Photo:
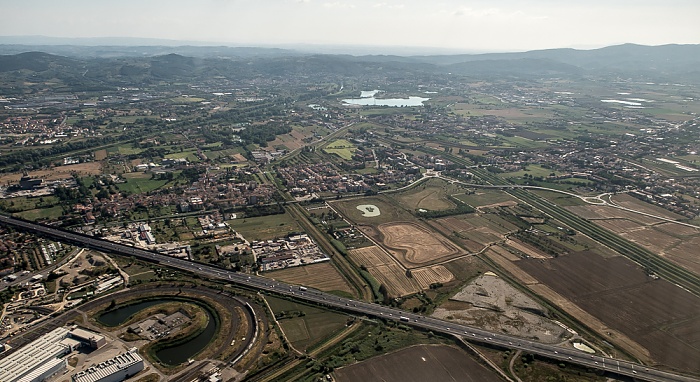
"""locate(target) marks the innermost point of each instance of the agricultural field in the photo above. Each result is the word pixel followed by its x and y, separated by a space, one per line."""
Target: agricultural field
pixel 430 195
pixel 532 170
pixel 137 182
pixel 414 245
pixel 435 274
pixel 265 227
pixel 511 114
pixel 41 213
pixel 418 364
pixel 486 198
pixel 385 269
pixel 474 231
pixel 491 303
pixel 341 148
pixel 322 276
pixel 633 203
pixel 386 211
pixel 292 140
pixel 675 242
pixel 58 172
pixel 304 325
pixel 656 314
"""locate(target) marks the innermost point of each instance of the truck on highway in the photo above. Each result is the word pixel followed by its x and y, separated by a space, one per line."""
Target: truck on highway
pixel 302 288
pixel 404 319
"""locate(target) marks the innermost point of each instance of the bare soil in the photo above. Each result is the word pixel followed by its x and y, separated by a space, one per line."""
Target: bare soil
pixel 414 245
pixel 419 364
pixel 619 293
pixel 491 303
pixel 322 276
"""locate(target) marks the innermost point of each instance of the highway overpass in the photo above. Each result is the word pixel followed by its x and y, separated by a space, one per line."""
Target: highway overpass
pixel 574 356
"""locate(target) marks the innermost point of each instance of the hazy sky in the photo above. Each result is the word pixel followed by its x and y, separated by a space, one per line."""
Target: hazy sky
pixel 482 25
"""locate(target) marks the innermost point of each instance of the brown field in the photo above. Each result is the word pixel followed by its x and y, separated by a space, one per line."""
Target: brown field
pixel 370 256
pixel 505 260
pixel 418 364
pixel 526 249
pixel 431 195
pixel 591 211
pixel 509 203
pixel 615 290
pixel 651 239
pixel 414 245
pixel 100 154
pixel 618 226
pixel 472 231
pixel 292 141
pixel 631 202
pixel 675 242
pixel 430 275
pixel 239 158
pixel 677 229
pixel 385 269
pixel 321 276
pixel 59 172
pixel 685 254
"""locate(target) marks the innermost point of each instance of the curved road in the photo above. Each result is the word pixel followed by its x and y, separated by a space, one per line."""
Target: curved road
pixel 359 307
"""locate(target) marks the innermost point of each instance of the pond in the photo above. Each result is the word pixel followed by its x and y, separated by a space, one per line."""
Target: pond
pixel 369 210
pixel 394 102
pixel 169 355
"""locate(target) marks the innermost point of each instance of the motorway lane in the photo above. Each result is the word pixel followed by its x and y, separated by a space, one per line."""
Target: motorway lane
pixel 638 371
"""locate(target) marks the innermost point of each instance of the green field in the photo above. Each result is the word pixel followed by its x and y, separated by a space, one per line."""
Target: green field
pixel 484 197
pixel 24 203
pixel 388 211
pixel 189 155
pixel 341 148
pixel 126 149
pixel 533 170
pixel 137 183
pixel 265 227
pixel 305 325
pixel 42 213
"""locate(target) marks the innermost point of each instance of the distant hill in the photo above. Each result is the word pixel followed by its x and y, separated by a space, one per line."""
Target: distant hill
pixel 34 61
pixel 669 60
pixel 109 66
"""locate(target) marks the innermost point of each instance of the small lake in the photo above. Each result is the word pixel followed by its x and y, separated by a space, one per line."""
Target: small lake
pixel 118 316
pixel 369 210
pixel 173 355
pixel 178 354
pixel 393 102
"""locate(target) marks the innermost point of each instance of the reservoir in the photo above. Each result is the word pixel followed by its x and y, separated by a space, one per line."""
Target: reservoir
pixel 394 102
pixel 169 355
pixel 367 98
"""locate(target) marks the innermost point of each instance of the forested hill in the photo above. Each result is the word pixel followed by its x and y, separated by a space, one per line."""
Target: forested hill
pixel 668 63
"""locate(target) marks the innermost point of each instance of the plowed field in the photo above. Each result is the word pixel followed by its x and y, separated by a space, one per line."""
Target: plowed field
pixel 414 245
pixel 655 313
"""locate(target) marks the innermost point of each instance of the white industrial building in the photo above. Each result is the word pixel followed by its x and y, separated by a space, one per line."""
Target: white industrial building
pixel 37 360
pixel 43 357
pixel 116 369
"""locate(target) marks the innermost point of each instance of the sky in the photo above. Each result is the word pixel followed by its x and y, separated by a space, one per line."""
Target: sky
pixel 461 25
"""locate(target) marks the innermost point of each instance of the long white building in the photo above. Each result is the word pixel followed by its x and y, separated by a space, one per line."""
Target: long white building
pixel 116 369
pixel 37 360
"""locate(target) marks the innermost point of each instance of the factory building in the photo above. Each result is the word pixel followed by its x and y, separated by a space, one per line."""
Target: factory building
pixel 93 339
pixel 44 356
pixel 37 360
pixel 116 369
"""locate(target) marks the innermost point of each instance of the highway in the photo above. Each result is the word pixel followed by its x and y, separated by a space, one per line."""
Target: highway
pixel 640 372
